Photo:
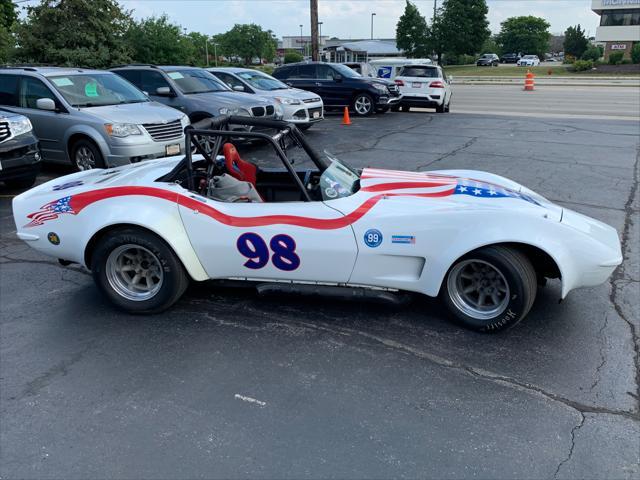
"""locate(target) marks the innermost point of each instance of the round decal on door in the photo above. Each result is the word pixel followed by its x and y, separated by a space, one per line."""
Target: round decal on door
pixel 373 238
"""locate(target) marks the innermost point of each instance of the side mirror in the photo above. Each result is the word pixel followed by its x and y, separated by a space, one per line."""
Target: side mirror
pixel 450 79
pixel 238 88
pixel 164 92
pixel 337 77
pixel 46 104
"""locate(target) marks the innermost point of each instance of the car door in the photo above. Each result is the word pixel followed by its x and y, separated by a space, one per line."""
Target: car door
pixel 305 78
pixel 49 126
pixel 328 88
pixel 302 241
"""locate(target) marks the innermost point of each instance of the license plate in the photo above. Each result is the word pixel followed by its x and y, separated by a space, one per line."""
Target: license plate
pixel 415 85
pixel 172 149
pixel 316 114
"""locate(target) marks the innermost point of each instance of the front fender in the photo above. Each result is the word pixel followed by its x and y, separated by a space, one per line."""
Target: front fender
pixel 90 132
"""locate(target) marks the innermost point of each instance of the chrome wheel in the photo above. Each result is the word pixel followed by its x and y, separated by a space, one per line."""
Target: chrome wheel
pixel 134 272
pixel 363 105
pixel 478 289
pixel 85 159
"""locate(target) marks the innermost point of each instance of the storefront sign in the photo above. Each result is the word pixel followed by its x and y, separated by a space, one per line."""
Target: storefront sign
pixel 619 46
pixel 619 2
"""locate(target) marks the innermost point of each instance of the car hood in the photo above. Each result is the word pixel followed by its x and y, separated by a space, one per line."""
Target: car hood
pixel 468 188
pixel 288 92
pixel 228 99
pixel 138 113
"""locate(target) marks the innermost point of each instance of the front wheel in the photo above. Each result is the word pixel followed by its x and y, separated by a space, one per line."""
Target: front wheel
pixel 86 155
pixel 490 289
pixel 363 104
pixel 138 271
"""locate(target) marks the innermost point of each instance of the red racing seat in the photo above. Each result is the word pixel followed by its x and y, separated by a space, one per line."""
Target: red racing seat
pixel 237 167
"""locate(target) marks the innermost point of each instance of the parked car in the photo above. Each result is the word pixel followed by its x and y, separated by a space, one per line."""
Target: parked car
pixel 19 151
pixel 295 106
pixel 510 58
pixel 195 92
pixel 363 68
pixel 388 68
pixel 479 241
pixel 91 118
pixel 529 61
pixel 488 60
pixel 424 86
pixel 339 86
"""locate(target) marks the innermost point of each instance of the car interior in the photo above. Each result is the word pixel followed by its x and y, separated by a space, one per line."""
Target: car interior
pixel 223 175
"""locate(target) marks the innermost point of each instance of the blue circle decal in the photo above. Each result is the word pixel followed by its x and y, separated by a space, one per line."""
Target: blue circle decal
pixel 373 238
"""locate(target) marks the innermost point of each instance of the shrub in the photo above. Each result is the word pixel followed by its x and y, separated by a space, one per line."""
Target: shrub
pixel 626 61
pixel 568 59
pixel 635 53
pixel 291 56
pixel 615 58
pixel 592 53
pixel 582 65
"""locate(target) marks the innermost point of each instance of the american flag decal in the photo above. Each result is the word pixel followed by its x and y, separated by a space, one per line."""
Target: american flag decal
pixel 486 190
pixel 50 211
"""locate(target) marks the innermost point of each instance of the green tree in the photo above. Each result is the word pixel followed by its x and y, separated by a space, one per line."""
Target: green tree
pixel 527 35
pixel 465 26
pixel 249 41
pixel 592 53
pixel 8 17
pixel 197 47
pixel 490 45
pixel 575 41
pixel 157 40
pixel 291 56
pixel 87 33
pixel 412 33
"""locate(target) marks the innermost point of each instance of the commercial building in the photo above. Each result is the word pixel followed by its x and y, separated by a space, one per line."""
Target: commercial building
pixel 619 26
pixel 337 50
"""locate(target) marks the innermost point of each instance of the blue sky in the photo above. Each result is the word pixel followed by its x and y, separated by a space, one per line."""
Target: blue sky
pixel 344 18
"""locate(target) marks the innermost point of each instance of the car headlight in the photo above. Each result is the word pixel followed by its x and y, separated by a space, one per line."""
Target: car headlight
pixel 185 121
pixel 288 101
pixel 122 129
pixel 379 86
pixel 228 111
pixel 18 127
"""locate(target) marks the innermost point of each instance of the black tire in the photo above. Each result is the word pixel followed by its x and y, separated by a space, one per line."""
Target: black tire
pixel 440 108
pixel 359 102
pixel 395 108
pixel 447 109
pixel 305 126
pixel 517 273
pixel 405 108
pixel 174 278
pixel 85 155
pixel 21 183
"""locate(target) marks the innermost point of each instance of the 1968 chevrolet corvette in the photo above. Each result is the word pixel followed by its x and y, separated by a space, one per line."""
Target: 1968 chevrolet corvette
pixel 481 242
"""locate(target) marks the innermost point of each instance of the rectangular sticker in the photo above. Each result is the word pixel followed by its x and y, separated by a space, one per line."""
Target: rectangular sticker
pixel 62 82
pixel 404 239
pixel 175 75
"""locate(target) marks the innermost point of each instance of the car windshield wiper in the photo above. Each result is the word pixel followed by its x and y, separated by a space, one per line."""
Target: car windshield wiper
pixel 133 101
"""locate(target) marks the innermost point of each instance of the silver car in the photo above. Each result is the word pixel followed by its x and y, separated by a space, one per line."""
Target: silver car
pixel 91 118
pixel 294 105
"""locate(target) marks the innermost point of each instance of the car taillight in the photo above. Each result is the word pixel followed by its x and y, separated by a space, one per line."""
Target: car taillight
pixel 400 83
pixel 436 85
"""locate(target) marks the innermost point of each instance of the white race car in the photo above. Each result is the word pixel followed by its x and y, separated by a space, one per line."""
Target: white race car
pixel 480 241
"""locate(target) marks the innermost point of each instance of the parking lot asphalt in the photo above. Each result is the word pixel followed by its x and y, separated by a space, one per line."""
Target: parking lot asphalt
pixel 230 385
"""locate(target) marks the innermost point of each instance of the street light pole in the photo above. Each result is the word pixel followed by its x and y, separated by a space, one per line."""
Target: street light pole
pixel 319 37
pixel 215 52
pixel 372 15
pixel 301 42
pixel 206 50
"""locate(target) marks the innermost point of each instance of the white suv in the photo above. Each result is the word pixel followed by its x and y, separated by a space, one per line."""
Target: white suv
pixel 423 86
pixel 529 61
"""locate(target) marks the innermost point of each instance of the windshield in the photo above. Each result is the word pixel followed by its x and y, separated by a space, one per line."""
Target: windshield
pixel 529 56
pixel 96 90
pixel 338 180
pixel 345 71
pixel 193 80
pixel 421 72
pixel 262 81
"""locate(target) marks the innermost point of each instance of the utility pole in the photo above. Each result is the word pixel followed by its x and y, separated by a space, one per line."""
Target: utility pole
pixel 314 30
pixel 372 15
pixel 435 9
pixel 206 50
pixel 319 37
pixel 301 42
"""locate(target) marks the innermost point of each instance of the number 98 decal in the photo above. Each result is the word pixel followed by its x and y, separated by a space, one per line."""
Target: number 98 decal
pixel 252 246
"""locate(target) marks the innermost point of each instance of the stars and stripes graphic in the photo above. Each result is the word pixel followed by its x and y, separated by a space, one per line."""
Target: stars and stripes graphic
pixel 50 211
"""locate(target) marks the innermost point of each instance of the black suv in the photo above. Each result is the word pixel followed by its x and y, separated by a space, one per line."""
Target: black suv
pixel 510 58
pixel 340 86
pixel 19 151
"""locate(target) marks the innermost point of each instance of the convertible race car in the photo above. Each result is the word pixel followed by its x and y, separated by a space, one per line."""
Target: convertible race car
pixel 481 242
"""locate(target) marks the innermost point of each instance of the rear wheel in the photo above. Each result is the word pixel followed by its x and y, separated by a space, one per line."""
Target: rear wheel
pixel 86 155
pixel 363 104
pixel 395 108
pixel 138 271
pixel 440 108
pixel 405 108
pixel 490 289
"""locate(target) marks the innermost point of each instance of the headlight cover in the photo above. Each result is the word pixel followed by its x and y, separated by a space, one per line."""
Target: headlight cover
pixel 122 130
pixel 18 127
pixel 288 100
pixel 379 86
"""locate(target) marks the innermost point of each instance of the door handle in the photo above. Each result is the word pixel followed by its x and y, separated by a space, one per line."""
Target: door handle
pixel 318 84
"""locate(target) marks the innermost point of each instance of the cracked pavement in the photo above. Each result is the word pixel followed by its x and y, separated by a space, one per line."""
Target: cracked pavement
pixel 337 389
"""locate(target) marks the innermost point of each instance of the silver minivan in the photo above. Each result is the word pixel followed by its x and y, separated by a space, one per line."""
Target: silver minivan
pixel 91 118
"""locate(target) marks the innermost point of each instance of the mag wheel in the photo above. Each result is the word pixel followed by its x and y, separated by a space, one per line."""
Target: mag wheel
pixel 138 271
pixel 86 155
pixel 490 289
pixel 363 104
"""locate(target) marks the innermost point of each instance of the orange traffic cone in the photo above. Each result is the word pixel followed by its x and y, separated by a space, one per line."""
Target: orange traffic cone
pixel 345 117
pixel 529 82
